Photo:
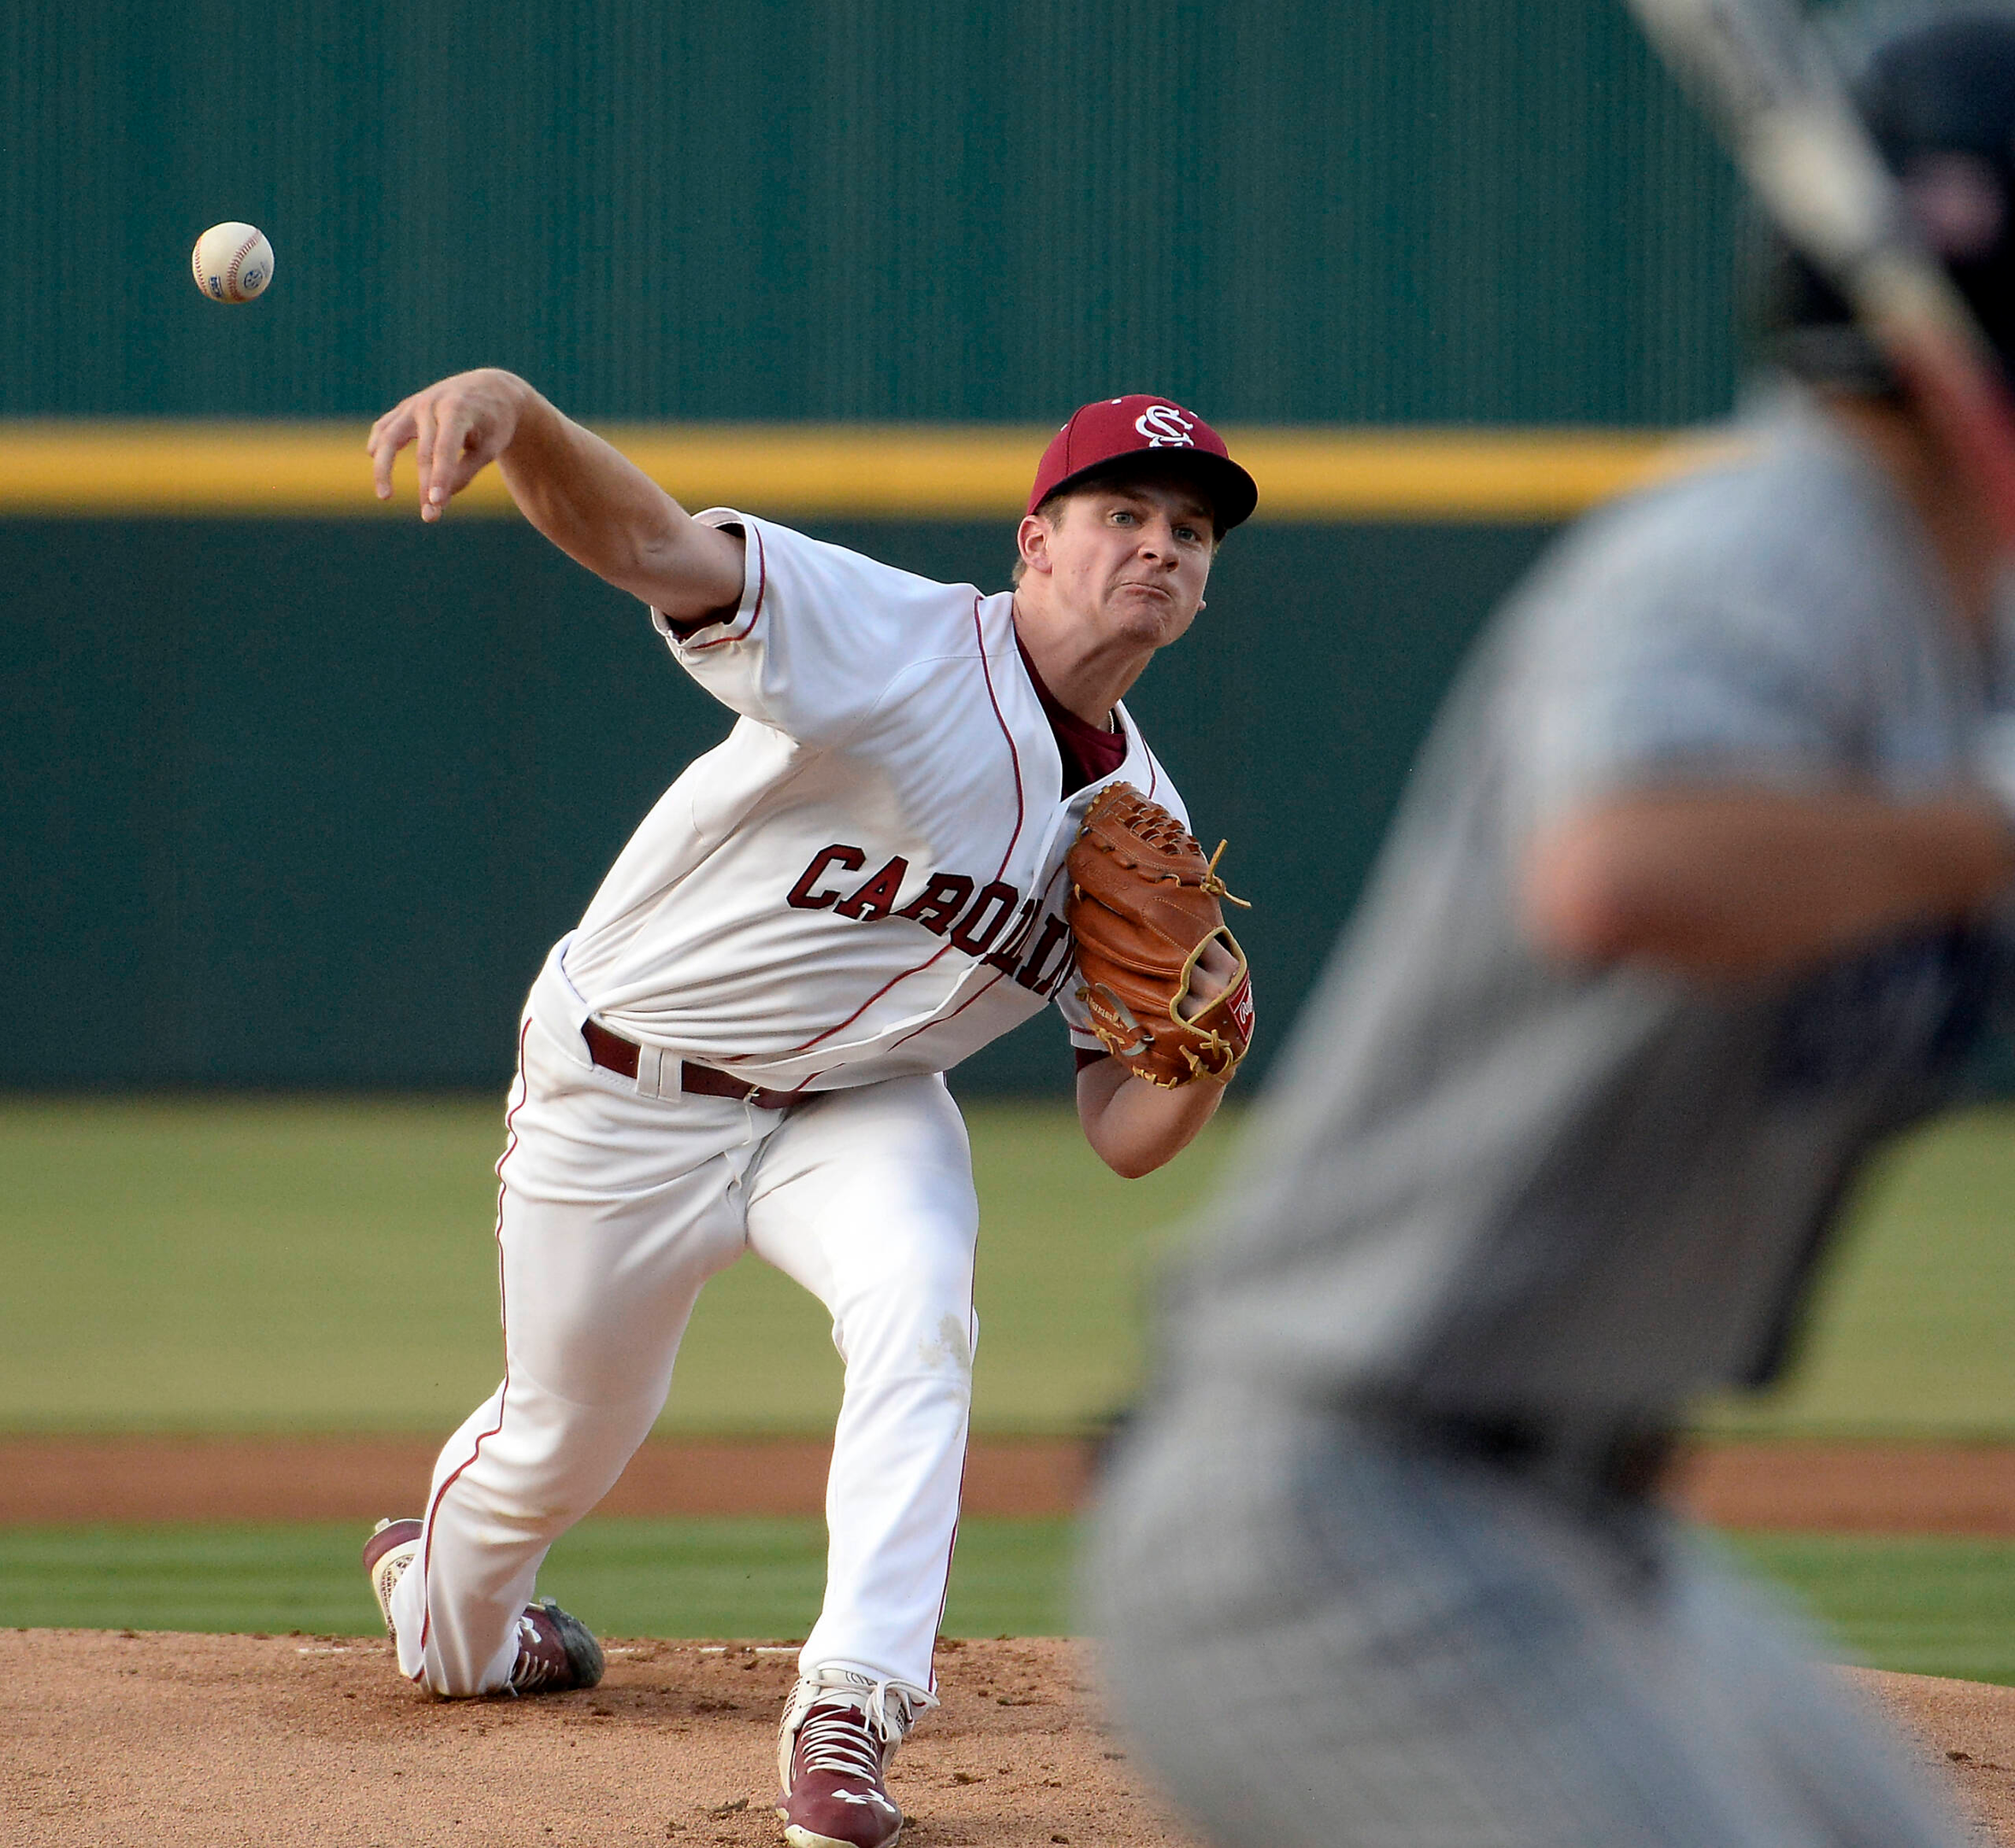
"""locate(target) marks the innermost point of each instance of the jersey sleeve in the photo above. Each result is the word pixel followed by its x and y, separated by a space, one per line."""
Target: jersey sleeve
pixel 819 633
pixel 1077 1019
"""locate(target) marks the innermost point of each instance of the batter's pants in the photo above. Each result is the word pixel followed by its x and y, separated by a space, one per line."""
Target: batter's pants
pixel 1322 1634
pixel 614 1208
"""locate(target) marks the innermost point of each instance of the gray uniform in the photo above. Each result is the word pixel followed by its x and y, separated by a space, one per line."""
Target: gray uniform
pixel 1376 1566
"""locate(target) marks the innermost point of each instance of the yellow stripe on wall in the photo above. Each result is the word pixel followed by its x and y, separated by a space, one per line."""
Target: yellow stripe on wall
pixel 269 470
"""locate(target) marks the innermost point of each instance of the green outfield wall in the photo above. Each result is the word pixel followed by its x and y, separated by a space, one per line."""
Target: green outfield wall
pixel 303 803
pixel 1281 211
pixel 295 793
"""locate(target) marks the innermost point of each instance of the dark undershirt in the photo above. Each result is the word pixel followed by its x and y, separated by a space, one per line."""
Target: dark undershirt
pixel 1089 752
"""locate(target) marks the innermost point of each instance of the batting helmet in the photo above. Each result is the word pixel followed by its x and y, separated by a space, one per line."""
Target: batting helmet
pixel 1939 99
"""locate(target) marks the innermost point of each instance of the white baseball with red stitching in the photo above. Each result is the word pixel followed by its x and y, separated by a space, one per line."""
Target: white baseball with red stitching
pixel 232 262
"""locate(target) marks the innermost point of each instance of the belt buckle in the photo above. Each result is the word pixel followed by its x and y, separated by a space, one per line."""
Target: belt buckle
pixel 750 1095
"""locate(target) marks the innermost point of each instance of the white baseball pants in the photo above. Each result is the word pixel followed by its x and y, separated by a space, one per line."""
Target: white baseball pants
pixel 615 1208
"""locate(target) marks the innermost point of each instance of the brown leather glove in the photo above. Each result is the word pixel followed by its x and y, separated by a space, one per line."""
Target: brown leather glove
pixel 1143 905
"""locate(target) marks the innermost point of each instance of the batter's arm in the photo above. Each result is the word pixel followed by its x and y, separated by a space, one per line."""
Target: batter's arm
pixel 1135 1127
pixel 589 499
pixel 1733 883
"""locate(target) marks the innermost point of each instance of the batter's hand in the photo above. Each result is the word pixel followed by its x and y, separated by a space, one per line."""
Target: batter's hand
pixel 460 426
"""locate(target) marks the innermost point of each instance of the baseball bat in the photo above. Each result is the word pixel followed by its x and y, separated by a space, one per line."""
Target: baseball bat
pixel 1783 109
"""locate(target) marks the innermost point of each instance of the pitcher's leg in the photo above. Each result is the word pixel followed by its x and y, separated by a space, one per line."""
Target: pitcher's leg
pixel 615 1210
pixel 866 1198
pixel 524 1466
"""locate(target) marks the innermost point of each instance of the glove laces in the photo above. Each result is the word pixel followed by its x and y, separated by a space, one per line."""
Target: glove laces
pixel 1215 886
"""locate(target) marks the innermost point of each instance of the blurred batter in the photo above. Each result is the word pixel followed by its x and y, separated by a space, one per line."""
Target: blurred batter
pixel 1699 895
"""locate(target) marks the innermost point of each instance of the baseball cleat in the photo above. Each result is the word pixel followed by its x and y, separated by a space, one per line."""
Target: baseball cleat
pixel 839 1732
pixel 387 1554
pixel 556 1653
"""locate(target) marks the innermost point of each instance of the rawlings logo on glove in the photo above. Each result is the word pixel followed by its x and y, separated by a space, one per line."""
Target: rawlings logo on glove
pixel 1143 910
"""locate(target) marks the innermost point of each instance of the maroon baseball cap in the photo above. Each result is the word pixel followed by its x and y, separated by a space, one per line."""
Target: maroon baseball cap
pixel 1112 429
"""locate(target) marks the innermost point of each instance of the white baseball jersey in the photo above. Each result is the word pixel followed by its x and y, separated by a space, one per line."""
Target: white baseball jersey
pixel 865 881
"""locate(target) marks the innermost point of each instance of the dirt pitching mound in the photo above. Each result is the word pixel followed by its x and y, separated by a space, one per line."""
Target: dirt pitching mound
pixel 121 1739
pixel 1966 1732
pixel 1871 1488
pixel 155 1740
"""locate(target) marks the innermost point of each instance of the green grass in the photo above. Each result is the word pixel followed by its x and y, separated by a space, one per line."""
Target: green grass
pixel 310 1264
pixel 758 1578
pixel 1913 1330
pixel 318 1264
pixel 1927 1606
pixel 1939 1605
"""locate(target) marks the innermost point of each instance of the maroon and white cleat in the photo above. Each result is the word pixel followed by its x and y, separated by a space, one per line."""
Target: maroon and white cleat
pixel 840 1730
pixel 387 1554
pixel 556 1652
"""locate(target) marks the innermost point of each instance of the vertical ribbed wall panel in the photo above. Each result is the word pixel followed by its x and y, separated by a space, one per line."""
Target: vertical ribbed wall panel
pixel 1395 211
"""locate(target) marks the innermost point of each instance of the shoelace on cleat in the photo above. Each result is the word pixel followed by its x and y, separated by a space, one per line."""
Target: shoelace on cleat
pixel 534 1668
pixel 839 1739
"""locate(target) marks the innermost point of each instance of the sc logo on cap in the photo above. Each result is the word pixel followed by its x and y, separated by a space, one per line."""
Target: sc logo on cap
pixel 1166 428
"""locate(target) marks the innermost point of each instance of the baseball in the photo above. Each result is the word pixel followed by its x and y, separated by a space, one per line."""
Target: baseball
pixel 232 262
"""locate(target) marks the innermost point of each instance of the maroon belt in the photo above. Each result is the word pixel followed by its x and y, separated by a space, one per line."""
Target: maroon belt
pixel 614 1053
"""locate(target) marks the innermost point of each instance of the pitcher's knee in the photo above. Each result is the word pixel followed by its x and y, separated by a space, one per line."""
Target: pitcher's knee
pixel 552 1459
pixel 931 1342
